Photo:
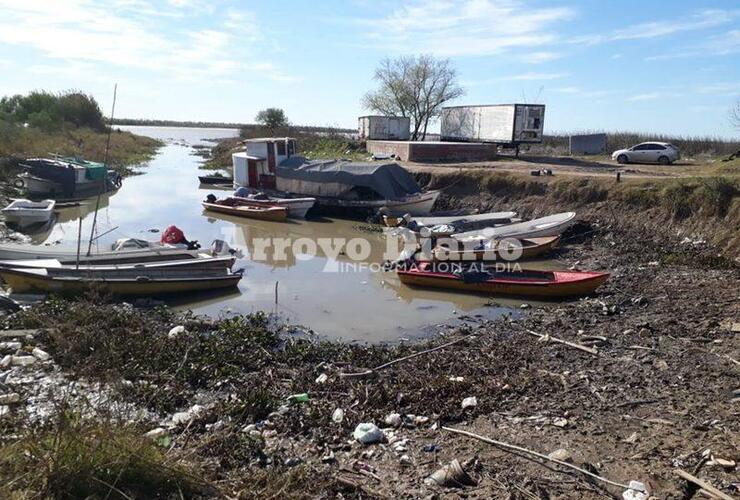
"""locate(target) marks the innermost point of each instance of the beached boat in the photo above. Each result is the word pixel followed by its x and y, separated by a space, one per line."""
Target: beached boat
pixel 25 212
pixel 67 178
pixel 130 282
pixel 297 207
pixel 495 250
pixel 215 179
pixel 462 222
pixel 524 283
pixel 552 225
pixel 243 208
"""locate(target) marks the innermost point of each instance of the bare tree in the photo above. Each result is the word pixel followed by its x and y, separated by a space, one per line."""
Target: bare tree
pixel 415 87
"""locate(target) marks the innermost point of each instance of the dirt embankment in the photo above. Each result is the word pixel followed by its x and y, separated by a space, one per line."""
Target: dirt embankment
pixel 651 389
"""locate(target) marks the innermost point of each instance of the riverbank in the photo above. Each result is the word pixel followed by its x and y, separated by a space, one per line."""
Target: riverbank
pixel 652 389
pixel 126 149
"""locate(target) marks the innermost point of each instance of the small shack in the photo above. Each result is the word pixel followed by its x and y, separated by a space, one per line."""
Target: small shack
pixel 384 128
pixel 255 167
pixel 587 144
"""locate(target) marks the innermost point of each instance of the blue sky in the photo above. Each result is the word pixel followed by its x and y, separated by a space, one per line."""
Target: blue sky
pixel 659 66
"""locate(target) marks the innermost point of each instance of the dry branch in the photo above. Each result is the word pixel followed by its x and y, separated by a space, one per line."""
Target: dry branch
pixel 511 447
pixel 574 345
pixel 711 490
pixel 386 365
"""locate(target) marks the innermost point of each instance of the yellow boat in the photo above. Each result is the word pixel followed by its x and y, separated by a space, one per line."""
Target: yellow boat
pixel 128 282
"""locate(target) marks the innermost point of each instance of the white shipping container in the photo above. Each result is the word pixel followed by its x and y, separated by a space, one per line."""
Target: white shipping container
pixel 396 128
pixel 498 123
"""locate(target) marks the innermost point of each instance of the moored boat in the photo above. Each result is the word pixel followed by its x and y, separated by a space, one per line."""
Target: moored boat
pixel 68 178
pixel 26 212
pixel 215 179
pixel 552 225
pixel 54 266
pixel 519 283
pixel 507 249
pixel 461 222
pixel 297 207
pixel 242 208
pixel 139 282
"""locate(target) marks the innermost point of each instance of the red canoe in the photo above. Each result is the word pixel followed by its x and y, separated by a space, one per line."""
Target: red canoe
pixel 520 283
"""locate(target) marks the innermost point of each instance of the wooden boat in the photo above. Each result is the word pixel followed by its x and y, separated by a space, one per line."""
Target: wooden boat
pixel 297 207
pixel 524 283
pixel 496 250
pixel 215 179
pixel 132 282
pixel 462 222
pixel 242 208
pixel 26 212
pixel 156 252
pixel 552 225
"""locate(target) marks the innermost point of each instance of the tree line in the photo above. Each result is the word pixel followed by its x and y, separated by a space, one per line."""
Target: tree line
pixel 52 111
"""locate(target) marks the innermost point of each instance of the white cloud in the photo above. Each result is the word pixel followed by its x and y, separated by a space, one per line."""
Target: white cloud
pixel 530 76
pixel 83 31
pixel 540 57
pixel 464 27
pixel 719 45
pixel 720 88
pixel 652 96
pixel 704 19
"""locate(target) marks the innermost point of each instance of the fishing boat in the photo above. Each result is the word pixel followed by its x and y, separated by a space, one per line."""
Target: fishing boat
pixel 519 283
pixel 243 208
pixel 462 222
pixel 552 225
pixel 54 266
pixel 66 178
pixel 297 207
pixel 127 282
pixel 495 250
pixel 26 212
pixel 215 179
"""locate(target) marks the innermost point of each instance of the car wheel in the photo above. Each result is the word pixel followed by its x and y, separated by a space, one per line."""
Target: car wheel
pixel 622 159
pixel 664 160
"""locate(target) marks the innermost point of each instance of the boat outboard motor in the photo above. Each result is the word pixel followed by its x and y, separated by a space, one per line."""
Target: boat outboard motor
pixel 220 247
pixel 173 235
pixel 211 198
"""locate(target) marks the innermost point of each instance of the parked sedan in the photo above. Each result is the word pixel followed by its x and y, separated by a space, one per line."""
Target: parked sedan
pixel 648 152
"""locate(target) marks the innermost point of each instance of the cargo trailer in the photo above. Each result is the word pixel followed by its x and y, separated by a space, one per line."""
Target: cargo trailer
pixel 384 128
pixel 506 124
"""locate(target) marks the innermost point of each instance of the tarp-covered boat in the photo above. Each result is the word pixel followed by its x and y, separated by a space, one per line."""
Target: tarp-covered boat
pixel 524 283
pixel 347 184
pixel 66 177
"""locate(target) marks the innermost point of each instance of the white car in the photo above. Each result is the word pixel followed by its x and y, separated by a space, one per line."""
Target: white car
pixel 648 152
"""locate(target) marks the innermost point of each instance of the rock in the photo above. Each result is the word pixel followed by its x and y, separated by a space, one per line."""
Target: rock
pixel 10 346
pixel 338 416
pixel 321 379
pixel 23 360
pixel 6 361
pixel 470 402
pixel 560 454
pixel 40 354
pixel 176 331
pixel 156 433
pixel 660 365
pixel 394 420
pixel 10 398
pixel 559 422
pixel 368 433
pixel 632 438
pixel 405 460
pixel 636 491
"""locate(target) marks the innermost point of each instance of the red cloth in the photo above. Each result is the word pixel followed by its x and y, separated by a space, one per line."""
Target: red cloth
pixel 172 236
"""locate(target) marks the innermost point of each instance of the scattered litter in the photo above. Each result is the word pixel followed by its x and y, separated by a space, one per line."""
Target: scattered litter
pixel 293 461
pixel 156 433
pixel 394 420
pixel 431 448
pixel 632 438
pixel 559 422
pixel 6 361
pixel 9 399
pixel 176 331
pixel 338 416
pixel 560 454
pixel 405 460
pixel 470 402
pixel 183 417
pixel 40 354
pixel 299 398
pixel 636 491
pixel 456 379
pixel 451 475
pixel 22 360
pixel 10 346
pixel 368 433
pixel 321 379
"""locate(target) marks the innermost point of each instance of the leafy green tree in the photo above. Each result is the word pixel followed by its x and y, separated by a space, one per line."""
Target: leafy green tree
pixel 272 118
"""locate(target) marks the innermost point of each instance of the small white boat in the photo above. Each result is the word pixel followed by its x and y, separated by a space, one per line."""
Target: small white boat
pixel 56 266
pixel 26 212
pixel 552 225
pixel 458 221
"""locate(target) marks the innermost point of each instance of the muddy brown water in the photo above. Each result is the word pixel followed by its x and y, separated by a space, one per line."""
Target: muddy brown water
pixel 334 295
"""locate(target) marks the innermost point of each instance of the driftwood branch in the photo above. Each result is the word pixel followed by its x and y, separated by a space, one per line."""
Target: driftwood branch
pixel 549 338
pixel 711 490
pixel 390 363
pixel 511 447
